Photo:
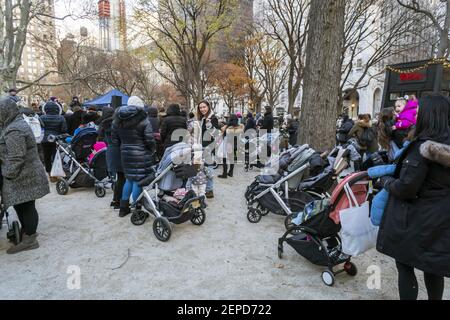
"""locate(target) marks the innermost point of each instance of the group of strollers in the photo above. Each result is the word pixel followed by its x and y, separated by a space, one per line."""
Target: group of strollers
pixel 310 189
pixel 84 165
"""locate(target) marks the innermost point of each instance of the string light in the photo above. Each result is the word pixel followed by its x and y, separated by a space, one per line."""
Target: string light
pixel 443 61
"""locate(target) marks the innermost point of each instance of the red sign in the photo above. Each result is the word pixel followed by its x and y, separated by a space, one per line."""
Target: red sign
pixel 406 77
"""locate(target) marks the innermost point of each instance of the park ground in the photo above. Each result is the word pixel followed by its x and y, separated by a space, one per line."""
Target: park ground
pixel 226 258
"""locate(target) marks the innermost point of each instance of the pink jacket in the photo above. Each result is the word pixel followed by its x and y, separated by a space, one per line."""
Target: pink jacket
pixel 99 146
pixel 407 118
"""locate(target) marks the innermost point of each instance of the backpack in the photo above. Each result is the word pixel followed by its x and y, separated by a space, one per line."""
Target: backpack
pixel 367 137
pixel 35 124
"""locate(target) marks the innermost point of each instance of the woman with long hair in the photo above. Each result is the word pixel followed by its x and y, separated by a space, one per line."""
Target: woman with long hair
pixel 231 133
pixel 208 122
pixel 415 228
pixel 386 120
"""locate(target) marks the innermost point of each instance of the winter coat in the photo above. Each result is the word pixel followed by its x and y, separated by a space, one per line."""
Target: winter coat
pixel 210 123
pixel 293 130
pixel 24 176
pixel 171 122
pixel 54 123
pixel 267 122
pixel 358 130
pixel 407 118
pixel 415 228
pixel 105 130
pixel 133 134
pixel 74 121
pixel 154 119
pixel 250 124
pixel 233 133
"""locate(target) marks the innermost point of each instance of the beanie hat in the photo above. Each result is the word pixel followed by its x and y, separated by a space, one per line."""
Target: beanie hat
pixel 136 102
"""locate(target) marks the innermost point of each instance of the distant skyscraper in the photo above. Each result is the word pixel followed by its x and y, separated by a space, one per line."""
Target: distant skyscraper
pixel 112 23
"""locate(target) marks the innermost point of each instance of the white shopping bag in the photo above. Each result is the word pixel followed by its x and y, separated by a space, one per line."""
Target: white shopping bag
pixel 222 149
pixel 57 167
pixel 358 234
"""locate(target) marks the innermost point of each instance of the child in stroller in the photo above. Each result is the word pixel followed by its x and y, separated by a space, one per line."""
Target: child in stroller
pixel 314 233
pixel 160 189
pixel 80 171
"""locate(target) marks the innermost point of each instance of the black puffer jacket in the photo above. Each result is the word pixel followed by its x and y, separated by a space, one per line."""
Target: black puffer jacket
pixel 171 122
pixel 133 133
pixel 54 123
pixel 415 229
pixel 267 123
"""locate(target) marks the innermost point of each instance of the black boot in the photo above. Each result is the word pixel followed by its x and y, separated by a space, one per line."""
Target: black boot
pixel 124 208
pixel 224 174
pixel 230 173
pixel 115 204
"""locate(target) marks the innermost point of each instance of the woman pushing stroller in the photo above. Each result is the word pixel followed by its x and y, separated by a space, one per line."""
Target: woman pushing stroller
pixel 133 134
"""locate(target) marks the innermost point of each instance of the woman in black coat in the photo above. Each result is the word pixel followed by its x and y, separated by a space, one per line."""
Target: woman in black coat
pixel 415 229
pixel 133 133
pixel 170 123
pixel 113 157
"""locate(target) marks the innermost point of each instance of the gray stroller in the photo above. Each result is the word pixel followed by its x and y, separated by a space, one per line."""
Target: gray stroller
pixel 172 173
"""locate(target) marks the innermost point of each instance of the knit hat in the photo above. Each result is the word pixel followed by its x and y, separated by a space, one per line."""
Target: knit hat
pixel 136 102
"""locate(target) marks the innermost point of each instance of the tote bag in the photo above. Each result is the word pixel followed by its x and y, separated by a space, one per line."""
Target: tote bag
pixel 358 234
pixel 57 167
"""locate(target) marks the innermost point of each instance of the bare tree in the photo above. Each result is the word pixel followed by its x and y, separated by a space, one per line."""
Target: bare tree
pixel 286 21
pixel 439 16
pixel 183 32
pixel 271 68
pixel 15 18
pixel 363 37
pixel 322 73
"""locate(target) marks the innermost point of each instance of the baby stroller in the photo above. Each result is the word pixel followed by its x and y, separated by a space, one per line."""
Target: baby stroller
pixel 317 237
pixel 278 193
pixel 254 146
pixel 168 177
pixel 79 172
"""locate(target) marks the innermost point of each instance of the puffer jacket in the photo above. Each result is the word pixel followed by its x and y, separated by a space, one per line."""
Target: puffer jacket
pixel 415 228
pixel 407 118
pixel 154 119
pixel 133 134
pixel 54 122
pixel 171 122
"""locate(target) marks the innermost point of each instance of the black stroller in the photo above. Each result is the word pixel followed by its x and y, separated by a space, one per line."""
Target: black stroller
pixel 79 172
pixel 317 237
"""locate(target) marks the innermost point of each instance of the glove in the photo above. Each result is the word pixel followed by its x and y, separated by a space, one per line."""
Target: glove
pixel 385 181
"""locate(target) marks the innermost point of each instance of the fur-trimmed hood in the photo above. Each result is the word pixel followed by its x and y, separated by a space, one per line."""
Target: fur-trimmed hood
pixel 129 116
pixel 364 124
pixel 436 152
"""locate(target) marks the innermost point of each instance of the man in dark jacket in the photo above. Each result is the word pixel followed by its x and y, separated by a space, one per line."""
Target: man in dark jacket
pixel 292 129
pixel 54 124
pixel 133 134
pixel 74 120
pixel 267 123
pixel 171 122
pixel 344 129
pixel 74 103
pixel 153 117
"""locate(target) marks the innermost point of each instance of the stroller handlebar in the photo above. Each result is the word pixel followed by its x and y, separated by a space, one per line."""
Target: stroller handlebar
pixel 54 138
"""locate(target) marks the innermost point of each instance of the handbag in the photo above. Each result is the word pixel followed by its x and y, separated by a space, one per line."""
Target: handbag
pixel 358 234
pixel 57 167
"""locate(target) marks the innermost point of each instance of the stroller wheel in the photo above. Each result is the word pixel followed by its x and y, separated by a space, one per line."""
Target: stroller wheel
pixel 100 192
pixel 162 229
pixel 263 212
pixel 328 278
pixel 254 215
pixel 62 187
pixel 139 217
pixel 351 269
pixel 199 217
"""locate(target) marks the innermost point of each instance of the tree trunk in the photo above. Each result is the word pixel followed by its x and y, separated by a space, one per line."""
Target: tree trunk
pixel 322 74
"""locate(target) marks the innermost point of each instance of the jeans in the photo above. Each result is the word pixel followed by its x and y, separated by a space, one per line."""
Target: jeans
pixel 209 185
pixel 131 188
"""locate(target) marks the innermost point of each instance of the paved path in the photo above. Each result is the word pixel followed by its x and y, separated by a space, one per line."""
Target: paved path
pixel 226 258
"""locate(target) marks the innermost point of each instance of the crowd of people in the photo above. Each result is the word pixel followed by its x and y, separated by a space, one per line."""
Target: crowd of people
pixel 415 229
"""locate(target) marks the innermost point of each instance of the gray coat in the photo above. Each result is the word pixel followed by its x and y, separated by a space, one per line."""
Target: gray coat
pixel 24 177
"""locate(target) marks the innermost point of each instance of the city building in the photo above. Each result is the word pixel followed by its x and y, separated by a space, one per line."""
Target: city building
pixel 39 55
pixel 112 25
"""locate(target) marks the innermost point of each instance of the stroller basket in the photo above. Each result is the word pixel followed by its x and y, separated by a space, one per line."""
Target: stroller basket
pixel 310 249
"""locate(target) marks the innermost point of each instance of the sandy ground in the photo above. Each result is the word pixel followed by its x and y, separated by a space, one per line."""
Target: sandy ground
pixel 226 258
